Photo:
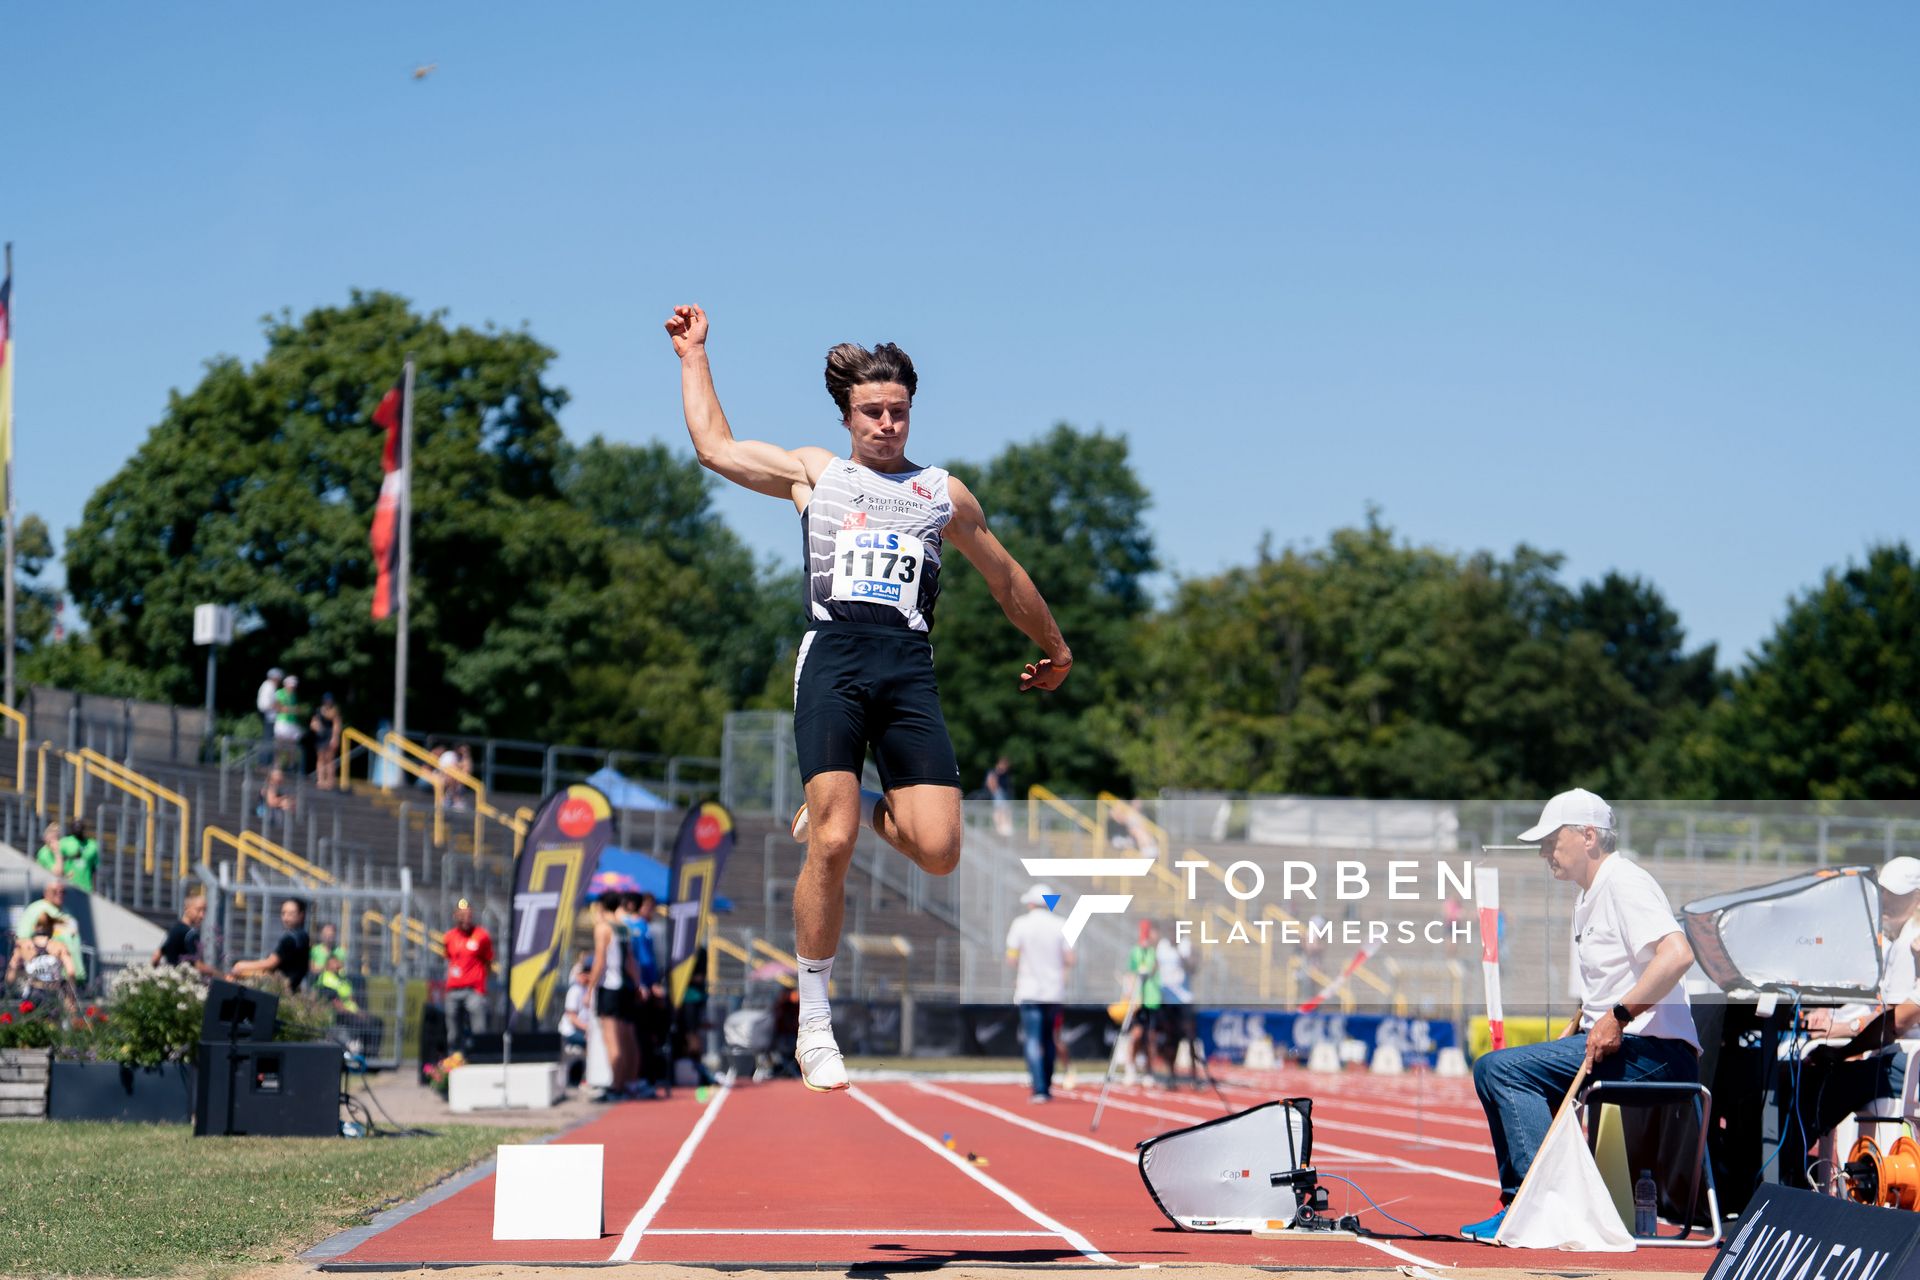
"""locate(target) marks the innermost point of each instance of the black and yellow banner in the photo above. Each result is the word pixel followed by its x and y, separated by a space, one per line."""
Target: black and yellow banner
pixel 562 848
pixel 699 858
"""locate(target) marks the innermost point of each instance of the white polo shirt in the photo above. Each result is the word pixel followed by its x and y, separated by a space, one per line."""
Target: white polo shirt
pixel 1618 922
pixel 1039 939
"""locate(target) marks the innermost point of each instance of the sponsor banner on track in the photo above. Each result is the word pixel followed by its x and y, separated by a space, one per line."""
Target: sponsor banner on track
pixel 1226 1031
pixel 563 846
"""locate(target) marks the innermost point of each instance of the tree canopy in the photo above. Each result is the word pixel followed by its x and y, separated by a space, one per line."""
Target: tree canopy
pixel 589 592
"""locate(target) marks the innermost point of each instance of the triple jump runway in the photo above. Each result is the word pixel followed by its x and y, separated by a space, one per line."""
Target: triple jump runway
pixel 771 1175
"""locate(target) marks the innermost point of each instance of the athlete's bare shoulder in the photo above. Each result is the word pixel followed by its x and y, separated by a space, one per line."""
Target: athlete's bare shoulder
pixel 814 460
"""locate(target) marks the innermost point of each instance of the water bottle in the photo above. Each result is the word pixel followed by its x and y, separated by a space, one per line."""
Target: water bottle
pixel 1646 1219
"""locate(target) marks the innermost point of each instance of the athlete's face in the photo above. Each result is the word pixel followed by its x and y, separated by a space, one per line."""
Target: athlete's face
pixel 877 420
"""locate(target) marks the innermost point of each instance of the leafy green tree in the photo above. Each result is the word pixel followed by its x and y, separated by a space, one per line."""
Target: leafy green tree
pixel 257 488
pixel 1071 510
pixel 1370 667
pixel 1829 708
pixel 36 605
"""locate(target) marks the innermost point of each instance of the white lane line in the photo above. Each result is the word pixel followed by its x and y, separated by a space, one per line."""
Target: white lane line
pixel 1019 1203
pixel 1408 1166
pixel 1032 1126
pixel 879 1232
pixel 1108 1149
pixel 663 1188
pixel 1438 1113
pixel 1323 1120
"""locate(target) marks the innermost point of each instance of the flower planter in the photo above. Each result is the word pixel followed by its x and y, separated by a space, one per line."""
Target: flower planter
pixel 109 1091
pixel 23 1082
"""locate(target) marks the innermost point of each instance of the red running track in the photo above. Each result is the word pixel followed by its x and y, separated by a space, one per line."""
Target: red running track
pixel 772 1174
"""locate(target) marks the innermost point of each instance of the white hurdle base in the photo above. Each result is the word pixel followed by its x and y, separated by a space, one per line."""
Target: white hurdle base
pixel 549 1191
pixel 522 1086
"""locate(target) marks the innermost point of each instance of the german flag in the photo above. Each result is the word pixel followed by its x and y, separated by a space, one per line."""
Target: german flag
pixel 386 513
pixel 6 391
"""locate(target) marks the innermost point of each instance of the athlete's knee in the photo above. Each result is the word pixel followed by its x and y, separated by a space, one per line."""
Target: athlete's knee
pixel 832 850
pixel 940 854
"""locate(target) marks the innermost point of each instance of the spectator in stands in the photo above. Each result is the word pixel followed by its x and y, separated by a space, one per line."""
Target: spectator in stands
pixel 469 949
pixel 80 853
pixel 1038 950
pixel 1000 788
pixel 287 726
pixel 333 983
pixel 42 963
pixel 292 956
pixel 267 703
pixel 327 725
pixel 614 977
pixel 182 943
pixel 53 902
pixel 50 855
pixel 452 793
pixel 274 796
pixel 325 949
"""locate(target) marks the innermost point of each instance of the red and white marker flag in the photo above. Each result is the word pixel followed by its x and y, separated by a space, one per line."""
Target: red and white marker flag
pixel 1360 957
pixel 1486 896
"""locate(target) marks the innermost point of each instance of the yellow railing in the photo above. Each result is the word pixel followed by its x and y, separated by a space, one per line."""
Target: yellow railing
pixel 350 736
pixel 718 946
pixel 1039 797
pixel 111 770
pixel 252 845
pixel 19 723
pixel 131 784
pixel 482 808
pixel 403 929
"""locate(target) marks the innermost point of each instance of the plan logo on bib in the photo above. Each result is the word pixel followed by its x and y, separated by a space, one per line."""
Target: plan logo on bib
pixel 1093 904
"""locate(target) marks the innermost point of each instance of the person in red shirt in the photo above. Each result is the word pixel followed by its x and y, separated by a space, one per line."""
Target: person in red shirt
pixel 469 960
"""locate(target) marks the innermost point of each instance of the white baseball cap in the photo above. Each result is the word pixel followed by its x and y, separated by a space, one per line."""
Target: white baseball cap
pixel 1575 808
pixel 1900 875
pixel 1038 895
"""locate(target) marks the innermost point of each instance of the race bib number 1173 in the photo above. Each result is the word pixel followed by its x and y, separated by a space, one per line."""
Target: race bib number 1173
pixel 876 566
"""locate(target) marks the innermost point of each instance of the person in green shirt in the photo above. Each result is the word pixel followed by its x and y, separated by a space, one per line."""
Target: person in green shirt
pixel 50 854
pixel 1143 965
pixel 334 981
pixel 80 853
pixel 327 948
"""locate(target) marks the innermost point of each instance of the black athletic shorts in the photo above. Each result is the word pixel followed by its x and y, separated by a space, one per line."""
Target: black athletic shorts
pixel 615 1002
pixel 860 685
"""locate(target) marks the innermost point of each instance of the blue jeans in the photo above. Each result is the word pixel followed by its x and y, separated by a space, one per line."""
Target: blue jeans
pixel 1036 1028
pixel 1521 1087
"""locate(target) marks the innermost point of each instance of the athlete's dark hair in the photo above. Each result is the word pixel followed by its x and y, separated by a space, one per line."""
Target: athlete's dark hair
pixel 850 365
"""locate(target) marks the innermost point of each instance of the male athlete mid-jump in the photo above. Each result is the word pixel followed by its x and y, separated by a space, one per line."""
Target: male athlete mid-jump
pixel 874 525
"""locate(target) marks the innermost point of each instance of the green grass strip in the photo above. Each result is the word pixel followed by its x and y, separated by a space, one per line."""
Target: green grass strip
pixel 152 1200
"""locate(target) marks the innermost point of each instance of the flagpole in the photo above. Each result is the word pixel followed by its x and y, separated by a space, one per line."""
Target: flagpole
pixel 406 556
pixel 6 411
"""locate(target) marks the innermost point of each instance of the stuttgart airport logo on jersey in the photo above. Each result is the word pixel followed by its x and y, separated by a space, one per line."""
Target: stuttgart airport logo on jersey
pixel 1093 904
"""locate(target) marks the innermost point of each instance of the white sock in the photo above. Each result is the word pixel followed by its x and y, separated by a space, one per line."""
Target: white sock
pixel 869 805
pixel 814 976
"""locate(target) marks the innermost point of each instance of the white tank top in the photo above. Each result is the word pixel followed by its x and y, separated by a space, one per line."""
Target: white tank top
pixel 872 545
pixel 615 975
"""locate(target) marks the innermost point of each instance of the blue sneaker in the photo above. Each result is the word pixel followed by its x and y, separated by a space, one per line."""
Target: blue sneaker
pixel 1487 1230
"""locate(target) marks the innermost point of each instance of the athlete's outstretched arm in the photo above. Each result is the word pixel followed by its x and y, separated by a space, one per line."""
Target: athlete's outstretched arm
pixel 761 467
pixel 1011 586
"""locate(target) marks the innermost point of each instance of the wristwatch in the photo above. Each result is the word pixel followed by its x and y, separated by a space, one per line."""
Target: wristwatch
pixel 1622 1015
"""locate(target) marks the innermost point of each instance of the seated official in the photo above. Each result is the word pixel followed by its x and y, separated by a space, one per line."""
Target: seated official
pixel 1634 1023
pixel 1828 1089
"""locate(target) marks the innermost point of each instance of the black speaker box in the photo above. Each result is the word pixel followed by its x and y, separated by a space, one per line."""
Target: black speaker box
pixel 282 1090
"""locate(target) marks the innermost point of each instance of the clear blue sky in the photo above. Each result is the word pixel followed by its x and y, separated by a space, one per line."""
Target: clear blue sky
pixel 1637 283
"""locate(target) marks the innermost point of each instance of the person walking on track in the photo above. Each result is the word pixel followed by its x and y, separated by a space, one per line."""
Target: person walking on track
pixel 875 525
